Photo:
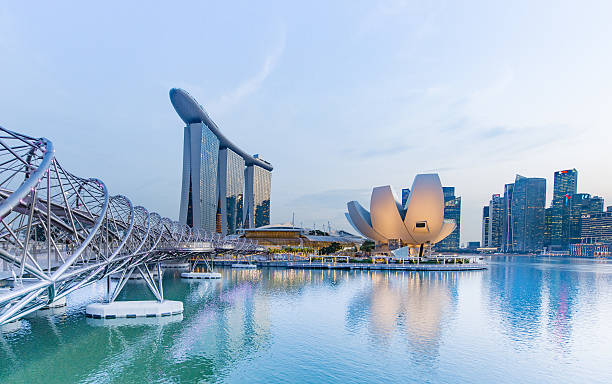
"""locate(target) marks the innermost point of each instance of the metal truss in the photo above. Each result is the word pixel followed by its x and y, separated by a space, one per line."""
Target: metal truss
pixel 60 232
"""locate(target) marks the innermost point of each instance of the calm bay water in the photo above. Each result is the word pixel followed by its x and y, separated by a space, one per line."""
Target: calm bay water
pixel 525 319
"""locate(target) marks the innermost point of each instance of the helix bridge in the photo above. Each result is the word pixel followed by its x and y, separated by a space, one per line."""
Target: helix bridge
pixel 60 232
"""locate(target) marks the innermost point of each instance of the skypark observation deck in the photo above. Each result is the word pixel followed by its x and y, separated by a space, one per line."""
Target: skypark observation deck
pixel 191 112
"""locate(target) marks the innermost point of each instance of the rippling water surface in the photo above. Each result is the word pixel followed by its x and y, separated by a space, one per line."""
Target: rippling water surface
pixel 523 320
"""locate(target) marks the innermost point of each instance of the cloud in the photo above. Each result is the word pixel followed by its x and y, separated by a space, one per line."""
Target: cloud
pixel 253 84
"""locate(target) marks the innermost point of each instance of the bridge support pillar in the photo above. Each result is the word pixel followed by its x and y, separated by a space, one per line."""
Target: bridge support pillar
pixel 131 309
pixel 208 274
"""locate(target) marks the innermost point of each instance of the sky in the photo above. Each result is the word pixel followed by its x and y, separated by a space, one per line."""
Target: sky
pixel 340 96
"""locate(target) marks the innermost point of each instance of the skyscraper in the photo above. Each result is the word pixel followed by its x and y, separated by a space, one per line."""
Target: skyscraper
pixel 231 190
pixel 257 203
pixel 580 205
pixel 528 201
pixel 557 231
pixel 214 194
pixel 452 210
pixel 496 219
pixel 405 194
pixel 507 237
pixel 485 227
pixel 199 190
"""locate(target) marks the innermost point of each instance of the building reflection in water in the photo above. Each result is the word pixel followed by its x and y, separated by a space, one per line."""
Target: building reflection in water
pixel 406 307
pixel 536 299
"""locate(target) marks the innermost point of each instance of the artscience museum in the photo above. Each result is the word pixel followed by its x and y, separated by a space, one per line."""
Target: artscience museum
pixel 417 225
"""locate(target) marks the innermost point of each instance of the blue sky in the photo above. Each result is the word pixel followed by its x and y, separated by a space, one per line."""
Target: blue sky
pixel 340 96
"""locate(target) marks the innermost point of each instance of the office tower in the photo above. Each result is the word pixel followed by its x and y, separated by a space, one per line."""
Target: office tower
pixel 496 218
pixel 452 210
pixel 565 185
pixel 485 226
pixel 257 197
pixel 405 194
pixel 595 235
pixel 507 237
pixel 581 205
pixel 548 227
pixel 596 228
pixel 214 195
pixel 528 200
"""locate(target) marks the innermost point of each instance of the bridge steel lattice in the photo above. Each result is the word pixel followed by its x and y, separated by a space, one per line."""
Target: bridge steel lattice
pixel 60 232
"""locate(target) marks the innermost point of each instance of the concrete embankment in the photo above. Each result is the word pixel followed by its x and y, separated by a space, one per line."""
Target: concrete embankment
pixel 362 266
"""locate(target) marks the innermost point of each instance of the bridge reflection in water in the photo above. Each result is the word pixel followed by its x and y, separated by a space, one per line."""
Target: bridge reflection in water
pixel 61 232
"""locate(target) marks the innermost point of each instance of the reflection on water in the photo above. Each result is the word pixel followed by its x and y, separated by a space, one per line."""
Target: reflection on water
pixel 410 304
pixel 550 317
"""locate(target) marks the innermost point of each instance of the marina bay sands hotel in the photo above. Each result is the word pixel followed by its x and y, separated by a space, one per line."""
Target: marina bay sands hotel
pixel 224 188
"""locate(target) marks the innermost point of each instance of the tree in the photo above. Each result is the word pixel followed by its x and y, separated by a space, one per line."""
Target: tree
pixel 367 246
pixel 333 247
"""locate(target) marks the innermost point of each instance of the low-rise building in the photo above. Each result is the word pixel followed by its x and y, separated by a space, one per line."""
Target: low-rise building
pixel 285 235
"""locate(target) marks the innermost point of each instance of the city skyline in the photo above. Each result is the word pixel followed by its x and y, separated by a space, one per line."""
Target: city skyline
pixel 521 220
pixel 518 97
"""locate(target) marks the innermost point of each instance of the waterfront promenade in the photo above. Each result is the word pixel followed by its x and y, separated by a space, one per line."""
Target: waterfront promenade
pixel 363 266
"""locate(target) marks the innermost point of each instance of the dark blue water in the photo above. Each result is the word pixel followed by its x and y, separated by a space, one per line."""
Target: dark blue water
pixel 524 320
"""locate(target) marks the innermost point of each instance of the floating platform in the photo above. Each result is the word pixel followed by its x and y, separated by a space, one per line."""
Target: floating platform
pixel 56 304
pixel 122 321
pixel 242 265
pixel 13 326
pixel 175 265
pixel 133 309
pixel 201 275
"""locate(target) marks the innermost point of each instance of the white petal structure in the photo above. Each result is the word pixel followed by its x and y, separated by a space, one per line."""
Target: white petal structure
pixel 386 214
pixel 447 228
pixel 348 218
pixel 425 208
pixel 361 220
pixel 422 222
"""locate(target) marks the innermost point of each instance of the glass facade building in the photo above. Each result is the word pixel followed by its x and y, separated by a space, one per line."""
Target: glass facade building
pixel 405 194
pixel 231 190
pixel 557 231
pixel 199 187
pixel 485 226
pixel 507 237
pixel 496 216
pixel 528 201
pixel 596 228
pixel 581 205
pixel 452 211
pixel 257 202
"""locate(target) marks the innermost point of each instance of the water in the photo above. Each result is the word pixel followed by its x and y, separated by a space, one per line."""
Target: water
pixel 523 320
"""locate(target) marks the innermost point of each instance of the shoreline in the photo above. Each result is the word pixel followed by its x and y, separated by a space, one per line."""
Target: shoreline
pixel 362 266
